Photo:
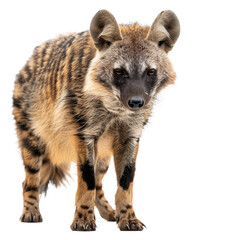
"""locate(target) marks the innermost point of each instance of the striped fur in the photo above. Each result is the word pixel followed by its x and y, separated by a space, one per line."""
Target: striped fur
pixel 68 108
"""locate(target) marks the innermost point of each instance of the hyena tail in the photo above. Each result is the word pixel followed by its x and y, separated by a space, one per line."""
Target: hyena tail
pixel 56 175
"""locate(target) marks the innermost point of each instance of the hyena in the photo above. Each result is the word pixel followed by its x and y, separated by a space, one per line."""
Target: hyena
pixel 86 97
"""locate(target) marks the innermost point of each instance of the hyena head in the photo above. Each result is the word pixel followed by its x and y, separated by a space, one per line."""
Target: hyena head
pixel 131 64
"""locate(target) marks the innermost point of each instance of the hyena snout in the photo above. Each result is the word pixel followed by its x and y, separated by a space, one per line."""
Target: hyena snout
pixel 135 95
pixel 136 102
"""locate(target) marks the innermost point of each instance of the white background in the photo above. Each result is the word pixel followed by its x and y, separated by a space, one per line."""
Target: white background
pixel 187 183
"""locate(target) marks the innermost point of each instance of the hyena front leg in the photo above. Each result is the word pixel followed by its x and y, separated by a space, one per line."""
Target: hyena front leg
pixel 104 208
pixel 32 153
pixel 84 218
pixel 125 159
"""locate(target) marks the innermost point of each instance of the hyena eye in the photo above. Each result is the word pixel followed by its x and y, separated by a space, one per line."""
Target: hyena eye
pixel 118 72
pixel 160 43
pixel 151 72
pixel 120 76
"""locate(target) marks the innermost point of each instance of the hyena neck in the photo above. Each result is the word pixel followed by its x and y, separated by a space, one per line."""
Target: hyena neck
pixel 99 119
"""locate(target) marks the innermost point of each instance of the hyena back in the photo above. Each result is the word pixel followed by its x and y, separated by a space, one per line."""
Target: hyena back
pixel 85 97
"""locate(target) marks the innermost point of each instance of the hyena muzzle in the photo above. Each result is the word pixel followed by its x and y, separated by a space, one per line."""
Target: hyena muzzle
pixel 85 97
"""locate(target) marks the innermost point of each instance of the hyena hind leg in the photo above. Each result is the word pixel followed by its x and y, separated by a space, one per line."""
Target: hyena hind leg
pixel 32 154
pixel 103 206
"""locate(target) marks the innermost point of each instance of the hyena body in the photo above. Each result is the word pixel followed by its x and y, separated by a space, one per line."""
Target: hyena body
pixel 86 97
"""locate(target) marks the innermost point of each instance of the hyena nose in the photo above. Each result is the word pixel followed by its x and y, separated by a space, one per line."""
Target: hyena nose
pixel 135 102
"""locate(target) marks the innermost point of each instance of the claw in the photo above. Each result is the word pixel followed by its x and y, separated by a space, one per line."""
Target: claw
pixel 75 226
pixel 127 226
pixel 139 227
pixel 22 218
pixel 40 218
pixel 143 225
pixel 93 226
pixel 87 227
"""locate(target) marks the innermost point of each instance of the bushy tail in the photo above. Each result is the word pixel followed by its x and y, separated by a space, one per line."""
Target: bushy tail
pixel 54 174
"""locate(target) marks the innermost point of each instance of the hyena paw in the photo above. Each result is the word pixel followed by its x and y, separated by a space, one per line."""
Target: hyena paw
pixel 127 220
pixel 104 208
pixel 31 216
pixel 83 223
pixel 109 216
pixel 130 225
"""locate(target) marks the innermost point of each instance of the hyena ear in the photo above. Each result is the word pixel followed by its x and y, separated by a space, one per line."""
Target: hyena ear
pixel 165 30
pixel 104 29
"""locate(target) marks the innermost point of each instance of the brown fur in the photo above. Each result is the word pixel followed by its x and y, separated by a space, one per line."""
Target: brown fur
pixel 68 108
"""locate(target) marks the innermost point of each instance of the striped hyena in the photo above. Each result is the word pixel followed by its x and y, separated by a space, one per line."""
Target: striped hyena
pixel 86 97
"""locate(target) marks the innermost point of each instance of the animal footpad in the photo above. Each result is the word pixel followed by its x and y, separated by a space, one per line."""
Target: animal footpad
pixel 31 216
pixel 83 225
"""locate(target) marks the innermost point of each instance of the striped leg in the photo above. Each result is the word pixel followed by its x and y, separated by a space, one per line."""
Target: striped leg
pixel 84 218
pixel 125 168
pixel 104 208
pixel 32 157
